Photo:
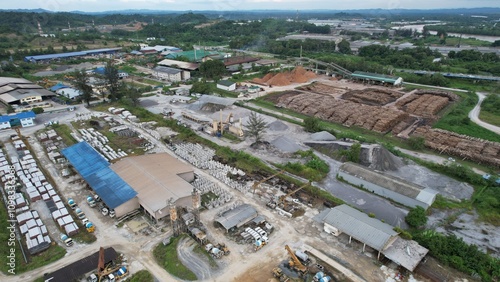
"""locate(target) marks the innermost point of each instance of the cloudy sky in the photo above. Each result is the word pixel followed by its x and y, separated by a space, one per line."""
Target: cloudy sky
pixel 228 5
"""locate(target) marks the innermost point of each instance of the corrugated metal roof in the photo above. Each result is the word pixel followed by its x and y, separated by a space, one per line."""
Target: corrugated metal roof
pixel 360 226
pixel 69 54
pixel 21 115
pixel 167 70
pixel 375 76
pixel 155 177
pixel 226 82
pixel 239 215
pixel 180 64
pixel 113 190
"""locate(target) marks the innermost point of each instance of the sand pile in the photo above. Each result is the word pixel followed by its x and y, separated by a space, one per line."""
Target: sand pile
pixel 297 75
pixel 280 79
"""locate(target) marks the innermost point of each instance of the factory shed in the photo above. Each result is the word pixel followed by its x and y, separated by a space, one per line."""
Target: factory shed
pixel 179 64
pixel 374 233
pixel 77 269
pixel 236 217
pixel 374 77
pixel 157 178
pixel 399 190
pixel 112 189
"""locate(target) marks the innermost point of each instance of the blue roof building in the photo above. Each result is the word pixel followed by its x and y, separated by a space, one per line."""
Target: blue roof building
pixel 112 189
pixel 23 119
pixel 57 87
pixel 67 55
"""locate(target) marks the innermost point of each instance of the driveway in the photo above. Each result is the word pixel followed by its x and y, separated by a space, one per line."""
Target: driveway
pixel 474 115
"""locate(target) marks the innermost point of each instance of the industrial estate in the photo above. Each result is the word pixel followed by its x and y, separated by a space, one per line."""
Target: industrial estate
pixel 134 160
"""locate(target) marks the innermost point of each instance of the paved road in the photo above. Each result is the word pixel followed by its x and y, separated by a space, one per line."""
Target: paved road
pixel 474 115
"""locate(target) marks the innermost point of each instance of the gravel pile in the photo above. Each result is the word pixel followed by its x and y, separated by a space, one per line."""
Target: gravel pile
pixel 323 136
pixel 285 144
pixel 277 125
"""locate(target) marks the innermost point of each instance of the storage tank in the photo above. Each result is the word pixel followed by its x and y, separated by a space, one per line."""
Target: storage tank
pixel 301 255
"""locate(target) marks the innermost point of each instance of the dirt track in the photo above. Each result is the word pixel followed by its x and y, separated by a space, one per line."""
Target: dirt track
pixel 192 261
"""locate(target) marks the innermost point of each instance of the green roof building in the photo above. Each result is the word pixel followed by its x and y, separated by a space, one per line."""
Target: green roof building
pixel 377 77
pixel 194 55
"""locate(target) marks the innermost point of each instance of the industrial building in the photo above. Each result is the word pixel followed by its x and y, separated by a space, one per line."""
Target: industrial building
pixel 186 66
pixel 71 55
pixel 376 78
pixel 15 91
pixel 157 178
pixel 227 85
pixel 171 74
pixel 23 119
pixel 145 182
pixel 373 233
pixel 236 217
pixel 387 186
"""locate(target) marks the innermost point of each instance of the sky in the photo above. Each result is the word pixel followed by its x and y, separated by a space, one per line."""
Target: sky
pixel 232 5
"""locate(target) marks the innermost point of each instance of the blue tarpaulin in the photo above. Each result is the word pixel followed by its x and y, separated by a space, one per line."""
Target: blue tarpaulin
pixel 112 189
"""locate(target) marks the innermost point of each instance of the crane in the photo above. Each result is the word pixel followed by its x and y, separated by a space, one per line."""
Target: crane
pixel 257 183
pixel 282 198
pixel 295 262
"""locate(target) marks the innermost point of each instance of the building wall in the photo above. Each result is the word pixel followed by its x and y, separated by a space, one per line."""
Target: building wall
pixel 27 122
pixel 129 206
pixel 381 191
pixel 4 125
pixel 227 88
pixel 186 75
pixel 170 77
pixel 32 99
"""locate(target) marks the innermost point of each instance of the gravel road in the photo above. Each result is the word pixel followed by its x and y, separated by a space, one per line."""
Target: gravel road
pixel 191 260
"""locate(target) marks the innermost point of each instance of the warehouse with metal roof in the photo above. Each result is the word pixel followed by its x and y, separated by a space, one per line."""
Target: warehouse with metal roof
pixel 377 78
pixel 236 217
pixel 388 186
pixel 157 178
pixel 374 233
pixel 69 55
pixel 95 170
pixel 147 182
pixel 15 91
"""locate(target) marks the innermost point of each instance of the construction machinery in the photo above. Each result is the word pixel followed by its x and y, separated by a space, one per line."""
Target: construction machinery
pixel 278 274
pixel 90 227
pixel 321 277
pixel 282 199
pixel 91 201
pixel 71 203
pixel 223 248
pixel 257 183
pixel 79 213
pixel 218 127
pixel 295 263
pixel 67 240
pixel 259 243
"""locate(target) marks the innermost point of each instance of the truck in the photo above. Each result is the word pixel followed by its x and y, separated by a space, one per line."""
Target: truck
pixel 303 257
pixel 259 244
pixel 79 213
pixel 116 276
pixel 71 203
pixel 112 213
pixel 104 210
pixel 90 227
pixel 91 201
pixel 67 240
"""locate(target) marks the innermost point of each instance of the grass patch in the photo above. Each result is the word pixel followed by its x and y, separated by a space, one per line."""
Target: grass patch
pixel 166 256
pixel 64 131
pixel 313 168
pixel 456 119
pixel 207 197
pixel 489 117
pixel 141 276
